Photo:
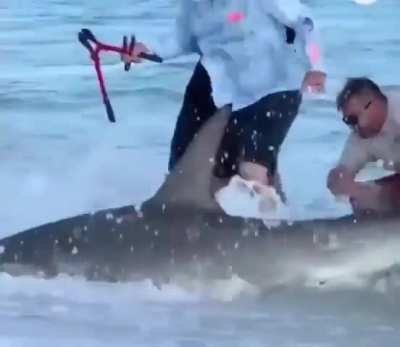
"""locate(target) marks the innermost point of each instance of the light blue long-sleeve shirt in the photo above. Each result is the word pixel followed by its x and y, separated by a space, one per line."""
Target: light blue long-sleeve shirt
pixel 243 45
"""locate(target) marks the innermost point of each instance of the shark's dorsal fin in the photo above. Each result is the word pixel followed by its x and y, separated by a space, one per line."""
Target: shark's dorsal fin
pixel 189 184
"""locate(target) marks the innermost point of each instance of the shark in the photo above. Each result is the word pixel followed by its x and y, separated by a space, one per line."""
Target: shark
pixel 182 230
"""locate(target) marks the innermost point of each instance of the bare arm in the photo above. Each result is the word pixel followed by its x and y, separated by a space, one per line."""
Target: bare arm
pixel 341 180
pixel 379 196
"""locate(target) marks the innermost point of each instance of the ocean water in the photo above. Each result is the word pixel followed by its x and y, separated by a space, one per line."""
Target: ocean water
pixel 59 156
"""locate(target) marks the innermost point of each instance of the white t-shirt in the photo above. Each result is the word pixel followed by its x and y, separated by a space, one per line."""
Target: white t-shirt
pixel 243 45
pixel 384 147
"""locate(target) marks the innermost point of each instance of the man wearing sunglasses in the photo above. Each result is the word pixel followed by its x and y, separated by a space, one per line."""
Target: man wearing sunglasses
pixel 374 119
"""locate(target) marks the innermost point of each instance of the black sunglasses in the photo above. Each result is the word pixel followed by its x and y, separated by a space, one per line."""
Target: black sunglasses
pixel 352 119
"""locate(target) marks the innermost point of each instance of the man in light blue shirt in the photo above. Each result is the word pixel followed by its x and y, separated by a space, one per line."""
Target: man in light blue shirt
pixel 258 56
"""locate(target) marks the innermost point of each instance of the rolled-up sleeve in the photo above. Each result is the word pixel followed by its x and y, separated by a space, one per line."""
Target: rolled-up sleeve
pixel 180 40
pixel 293 14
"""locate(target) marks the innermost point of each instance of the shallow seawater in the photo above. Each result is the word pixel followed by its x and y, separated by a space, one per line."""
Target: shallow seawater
pixel 59 156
